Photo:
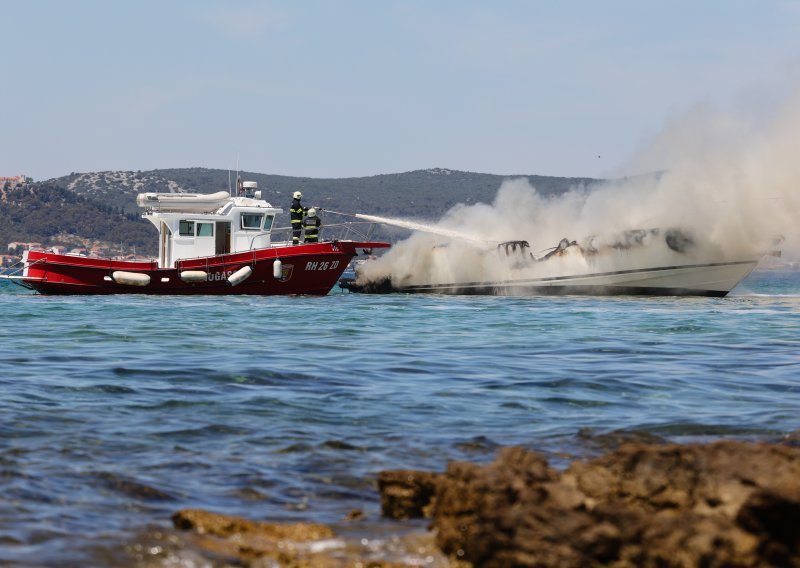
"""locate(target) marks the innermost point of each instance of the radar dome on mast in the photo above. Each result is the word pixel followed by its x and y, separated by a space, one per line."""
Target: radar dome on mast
pixel 246 188
pixel 249 188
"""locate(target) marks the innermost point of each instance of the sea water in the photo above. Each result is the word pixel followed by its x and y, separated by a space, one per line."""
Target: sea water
pixel 116 412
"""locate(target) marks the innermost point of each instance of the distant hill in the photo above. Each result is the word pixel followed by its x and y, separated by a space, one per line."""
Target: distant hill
pixel 102 204
pixel 50 214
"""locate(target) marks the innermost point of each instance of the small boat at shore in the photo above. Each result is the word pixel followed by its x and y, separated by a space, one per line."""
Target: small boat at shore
pixel 216 244
pixel 650 262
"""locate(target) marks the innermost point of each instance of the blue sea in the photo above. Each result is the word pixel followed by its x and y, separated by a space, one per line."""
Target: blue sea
pixel 116 412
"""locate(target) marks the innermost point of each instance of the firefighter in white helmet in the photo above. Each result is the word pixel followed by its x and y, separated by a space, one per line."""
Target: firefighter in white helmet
pixel 297 211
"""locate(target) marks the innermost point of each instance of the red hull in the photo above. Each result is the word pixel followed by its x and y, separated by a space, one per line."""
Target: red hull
pixel 306 269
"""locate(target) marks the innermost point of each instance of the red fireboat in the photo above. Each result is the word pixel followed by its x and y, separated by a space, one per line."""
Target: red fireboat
pixel 208 244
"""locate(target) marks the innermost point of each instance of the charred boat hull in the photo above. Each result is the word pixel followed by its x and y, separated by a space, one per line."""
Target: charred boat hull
pixel 572 269
pixel 711 280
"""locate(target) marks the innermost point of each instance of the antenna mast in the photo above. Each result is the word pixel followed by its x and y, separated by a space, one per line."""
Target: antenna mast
pixel 238 178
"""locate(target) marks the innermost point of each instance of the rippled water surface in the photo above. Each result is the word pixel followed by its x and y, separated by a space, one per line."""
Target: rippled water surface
pixel 115 412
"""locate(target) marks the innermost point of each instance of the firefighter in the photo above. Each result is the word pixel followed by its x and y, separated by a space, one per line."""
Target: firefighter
pixel 312 224
pixel 297 211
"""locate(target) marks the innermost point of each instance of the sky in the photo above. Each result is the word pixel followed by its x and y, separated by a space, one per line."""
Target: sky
pixel 362 87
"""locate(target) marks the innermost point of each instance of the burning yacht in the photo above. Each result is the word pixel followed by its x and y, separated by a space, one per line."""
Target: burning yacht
pixel 654 262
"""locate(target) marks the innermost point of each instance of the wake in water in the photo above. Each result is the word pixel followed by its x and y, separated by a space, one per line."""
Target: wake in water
pixel 729 180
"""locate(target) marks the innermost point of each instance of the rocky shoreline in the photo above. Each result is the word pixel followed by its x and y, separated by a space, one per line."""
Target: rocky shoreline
pixel 726 503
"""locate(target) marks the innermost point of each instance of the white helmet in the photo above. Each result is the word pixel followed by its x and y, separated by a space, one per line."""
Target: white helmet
pixel 297 195
pixel 312 212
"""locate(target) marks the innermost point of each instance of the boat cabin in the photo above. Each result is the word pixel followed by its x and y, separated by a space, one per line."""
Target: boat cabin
pixel 193 225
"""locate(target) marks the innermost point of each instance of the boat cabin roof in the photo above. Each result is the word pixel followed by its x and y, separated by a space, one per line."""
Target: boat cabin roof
pixel 194 225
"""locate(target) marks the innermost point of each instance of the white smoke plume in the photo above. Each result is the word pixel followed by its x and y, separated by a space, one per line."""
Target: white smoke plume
pixel 731 179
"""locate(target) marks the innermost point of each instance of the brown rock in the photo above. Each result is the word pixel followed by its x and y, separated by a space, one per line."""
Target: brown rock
pixel 250 541
pixel 205 522
pixel 227 540
pixel 355 515
pixel 721 504
pixel 774 516
pixel 406 494
pixel 489 515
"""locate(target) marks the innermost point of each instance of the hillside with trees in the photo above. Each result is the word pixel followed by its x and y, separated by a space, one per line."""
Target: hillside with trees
pixel 102 205
pixel 52 215
pixel 424 194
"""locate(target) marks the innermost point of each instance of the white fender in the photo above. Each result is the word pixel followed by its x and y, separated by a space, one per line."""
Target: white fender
pixel 277 269
pixel 130 278
pixel 240 275
pixel 194 276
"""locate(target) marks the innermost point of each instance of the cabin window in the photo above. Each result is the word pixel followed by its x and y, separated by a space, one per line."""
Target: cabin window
pixel 252 221
pixel 205 229
pixel 186 228
pixel 268 222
